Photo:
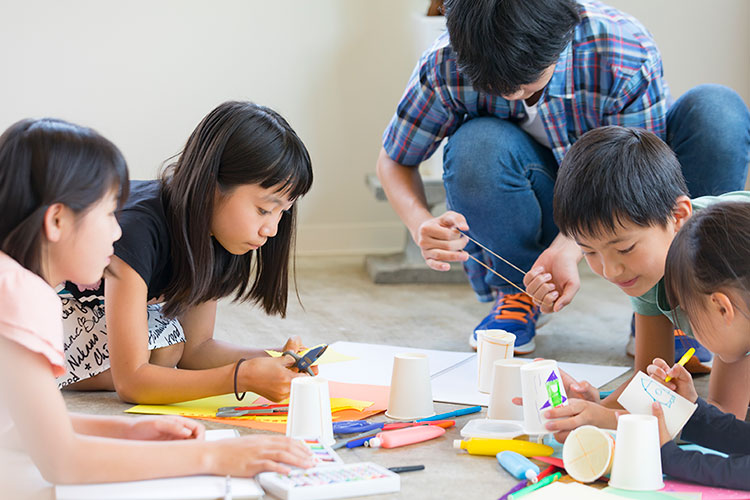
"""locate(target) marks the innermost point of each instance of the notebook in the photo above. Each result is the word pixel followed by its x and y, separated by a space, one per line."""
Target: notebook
pixel 177 488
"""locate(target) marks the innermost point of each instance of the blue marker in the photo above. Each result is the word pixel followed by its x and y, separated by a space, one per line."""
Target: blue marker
pixel 518 465
pixel 451 414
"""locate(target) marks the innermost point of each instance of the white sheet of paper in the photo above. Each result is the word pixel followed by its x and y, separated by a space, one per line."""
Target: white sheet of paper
pixel 459 385
pixel 454 374
pixel 374 362
pixel 176 488
pixel 643 390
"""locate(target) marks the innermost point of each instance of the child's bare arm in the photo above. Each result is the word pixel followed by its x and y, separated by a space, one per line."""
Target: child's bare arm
pixel 138 380
pixel 29 390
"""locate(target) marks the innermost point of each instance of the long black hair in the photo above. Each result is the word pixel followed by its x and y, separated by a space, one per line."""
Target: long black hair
pixel 49 161
pixel 237 143
pixel 710 253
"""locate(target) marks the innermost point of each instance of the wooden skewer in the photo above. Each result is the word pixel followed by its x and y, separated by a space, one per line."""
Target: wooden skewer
pixel 496 255
pixel 500 275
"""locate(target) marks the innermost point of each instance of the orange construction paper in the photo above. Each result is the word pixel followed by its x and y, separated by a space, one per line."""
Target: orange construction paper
pixel 378 394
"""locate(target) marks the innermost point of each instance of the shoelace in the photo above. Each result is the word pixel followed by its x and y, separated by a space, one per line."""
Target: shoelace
pixel 507 303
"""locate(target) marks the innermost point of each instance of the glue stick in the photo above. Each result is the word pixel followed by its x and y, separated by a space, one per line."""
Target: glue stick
pixel 518 465
pixel 491 447
pixel 407 435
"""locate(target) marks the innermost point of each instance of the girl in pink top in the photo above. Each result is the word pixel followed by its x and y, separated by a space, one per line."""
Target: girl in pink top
pixel 60 185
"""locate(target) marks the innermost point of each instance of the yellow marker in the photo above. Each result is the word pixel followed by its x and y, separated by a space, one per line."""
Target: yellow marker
pixel 491 447
pixel 684 359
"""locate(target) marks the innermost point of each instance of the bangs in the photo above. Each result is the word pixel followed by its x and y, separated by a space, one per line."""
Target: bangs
pixel 291 173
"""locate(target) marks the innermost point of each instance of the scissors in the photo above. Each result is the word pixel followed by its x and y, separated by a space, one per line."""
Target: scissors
pixel 249 411
pixel 305 361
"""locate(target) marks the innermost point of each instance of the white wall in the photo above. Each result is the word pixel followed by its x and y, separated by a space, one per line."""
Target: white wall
pixel 144 73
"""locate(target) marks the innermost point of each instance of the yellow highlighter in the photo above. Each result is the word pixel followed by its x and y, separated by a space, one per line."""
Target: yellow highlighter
pixel 491 447
pixel 684 359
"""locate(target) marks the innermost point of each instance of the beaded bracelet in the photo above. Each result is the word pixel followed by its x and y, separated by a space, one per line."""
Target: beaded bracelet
pixel 237 369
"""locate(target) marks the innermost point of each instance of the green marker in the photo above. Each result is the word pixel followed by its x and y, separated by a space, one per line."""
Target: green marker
pixel 542 483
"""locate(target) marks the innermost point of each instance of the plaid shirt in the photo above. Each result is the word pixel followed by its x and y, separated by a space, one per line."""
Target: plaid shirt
pixel 610 74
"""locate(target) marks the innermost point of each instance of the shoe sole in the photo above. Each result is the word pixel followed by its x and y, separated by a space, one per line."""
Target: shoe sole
pixel 527 348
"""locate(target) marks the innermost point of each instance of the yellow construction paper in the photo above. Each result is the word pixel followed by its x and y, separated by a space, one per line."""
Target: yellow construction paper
pixel 205 407
pixel 329 356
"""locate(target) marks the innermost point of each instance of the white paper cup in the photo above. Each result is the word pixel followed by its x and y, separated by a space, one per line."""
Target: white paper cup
pixel 637 462
pixel 542 389
pixel 588 452
pixel 506 385
pixel 411 391
pixel 491 346
pixel 310 410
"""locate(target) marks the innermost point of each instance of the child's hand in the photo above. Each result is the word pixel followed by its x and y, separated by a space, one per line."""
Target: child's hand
pixel 579 390
pixel 657 411
pixel 577 413
pixel 295 345
pixel 250 455
pixel 164 428
pixel 681 381
pixel 268 377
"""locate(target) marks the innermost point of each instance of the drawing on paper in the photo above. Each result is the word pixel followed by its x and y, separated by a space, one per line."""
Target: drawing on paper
pixel 657 392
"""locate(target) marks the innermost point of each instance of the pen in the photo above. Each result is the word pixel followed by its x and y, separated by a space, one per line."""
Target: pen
pixel 406 468
pixel 517 487
pixel 684 359
pixel 457 413
pixel 546 472
pixel 544 482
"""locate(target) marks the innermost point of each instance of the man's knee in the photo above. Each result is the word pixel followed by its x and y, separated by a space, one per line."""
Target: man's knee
pixel 710 106
pixel 479 155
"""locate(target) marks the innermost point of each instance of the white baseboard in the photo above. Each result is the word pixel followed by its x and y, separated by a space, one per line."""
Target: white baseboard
pixel 350 239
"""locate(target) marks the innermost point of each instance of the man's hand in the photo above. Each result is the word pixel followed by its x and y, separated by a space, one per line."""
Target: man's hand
pixel 440 242
pixel 553 280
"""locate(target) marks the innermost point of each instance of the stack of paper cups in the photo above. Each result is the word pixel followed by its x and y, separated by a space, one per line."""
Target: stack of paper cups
pixel 310 410
pixel 637 463
pixel 411 391
pixel 491 346
pixel 506 385
pixel 542 389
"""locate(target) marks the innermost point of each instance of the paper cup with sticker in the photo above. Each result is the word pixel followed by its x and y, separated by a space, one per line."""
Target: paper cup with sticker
pixel 506 385
pixel 588 453
pixel 310 410
pixel 542 389
pixel 637 462
pixel 491 346
pixel 411 390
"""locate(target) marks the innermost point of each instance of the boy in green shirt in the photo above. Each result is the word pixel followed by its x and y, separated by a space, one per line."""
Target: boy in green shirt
pixel 620 197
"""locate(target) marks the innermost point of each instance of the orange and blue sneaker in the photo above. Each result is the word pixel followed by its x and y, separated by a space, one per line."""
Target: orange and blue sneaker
pixel 515 313
pixel 699 363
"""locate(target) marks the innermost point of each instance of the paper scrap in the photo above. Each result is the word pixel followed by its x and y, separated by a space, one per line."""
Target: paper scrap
pixel 348 402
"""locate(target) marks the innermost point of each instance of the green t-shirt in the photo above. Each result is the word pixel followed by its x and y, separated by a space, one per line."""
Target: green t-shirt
pixel 654 302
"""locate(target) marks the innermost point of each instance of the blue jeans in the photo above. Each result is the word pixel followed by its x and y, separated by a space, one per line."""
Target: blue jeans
pixel 502 180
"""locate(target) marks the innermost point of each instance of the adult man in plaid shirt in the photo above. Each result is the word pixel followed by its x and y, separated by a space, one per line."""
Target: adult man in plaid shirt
pixel 512 85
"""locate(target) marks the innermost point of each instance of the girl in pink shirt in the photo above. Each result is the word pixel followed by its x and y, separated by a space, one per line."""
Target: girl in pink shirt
pixel 60 185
